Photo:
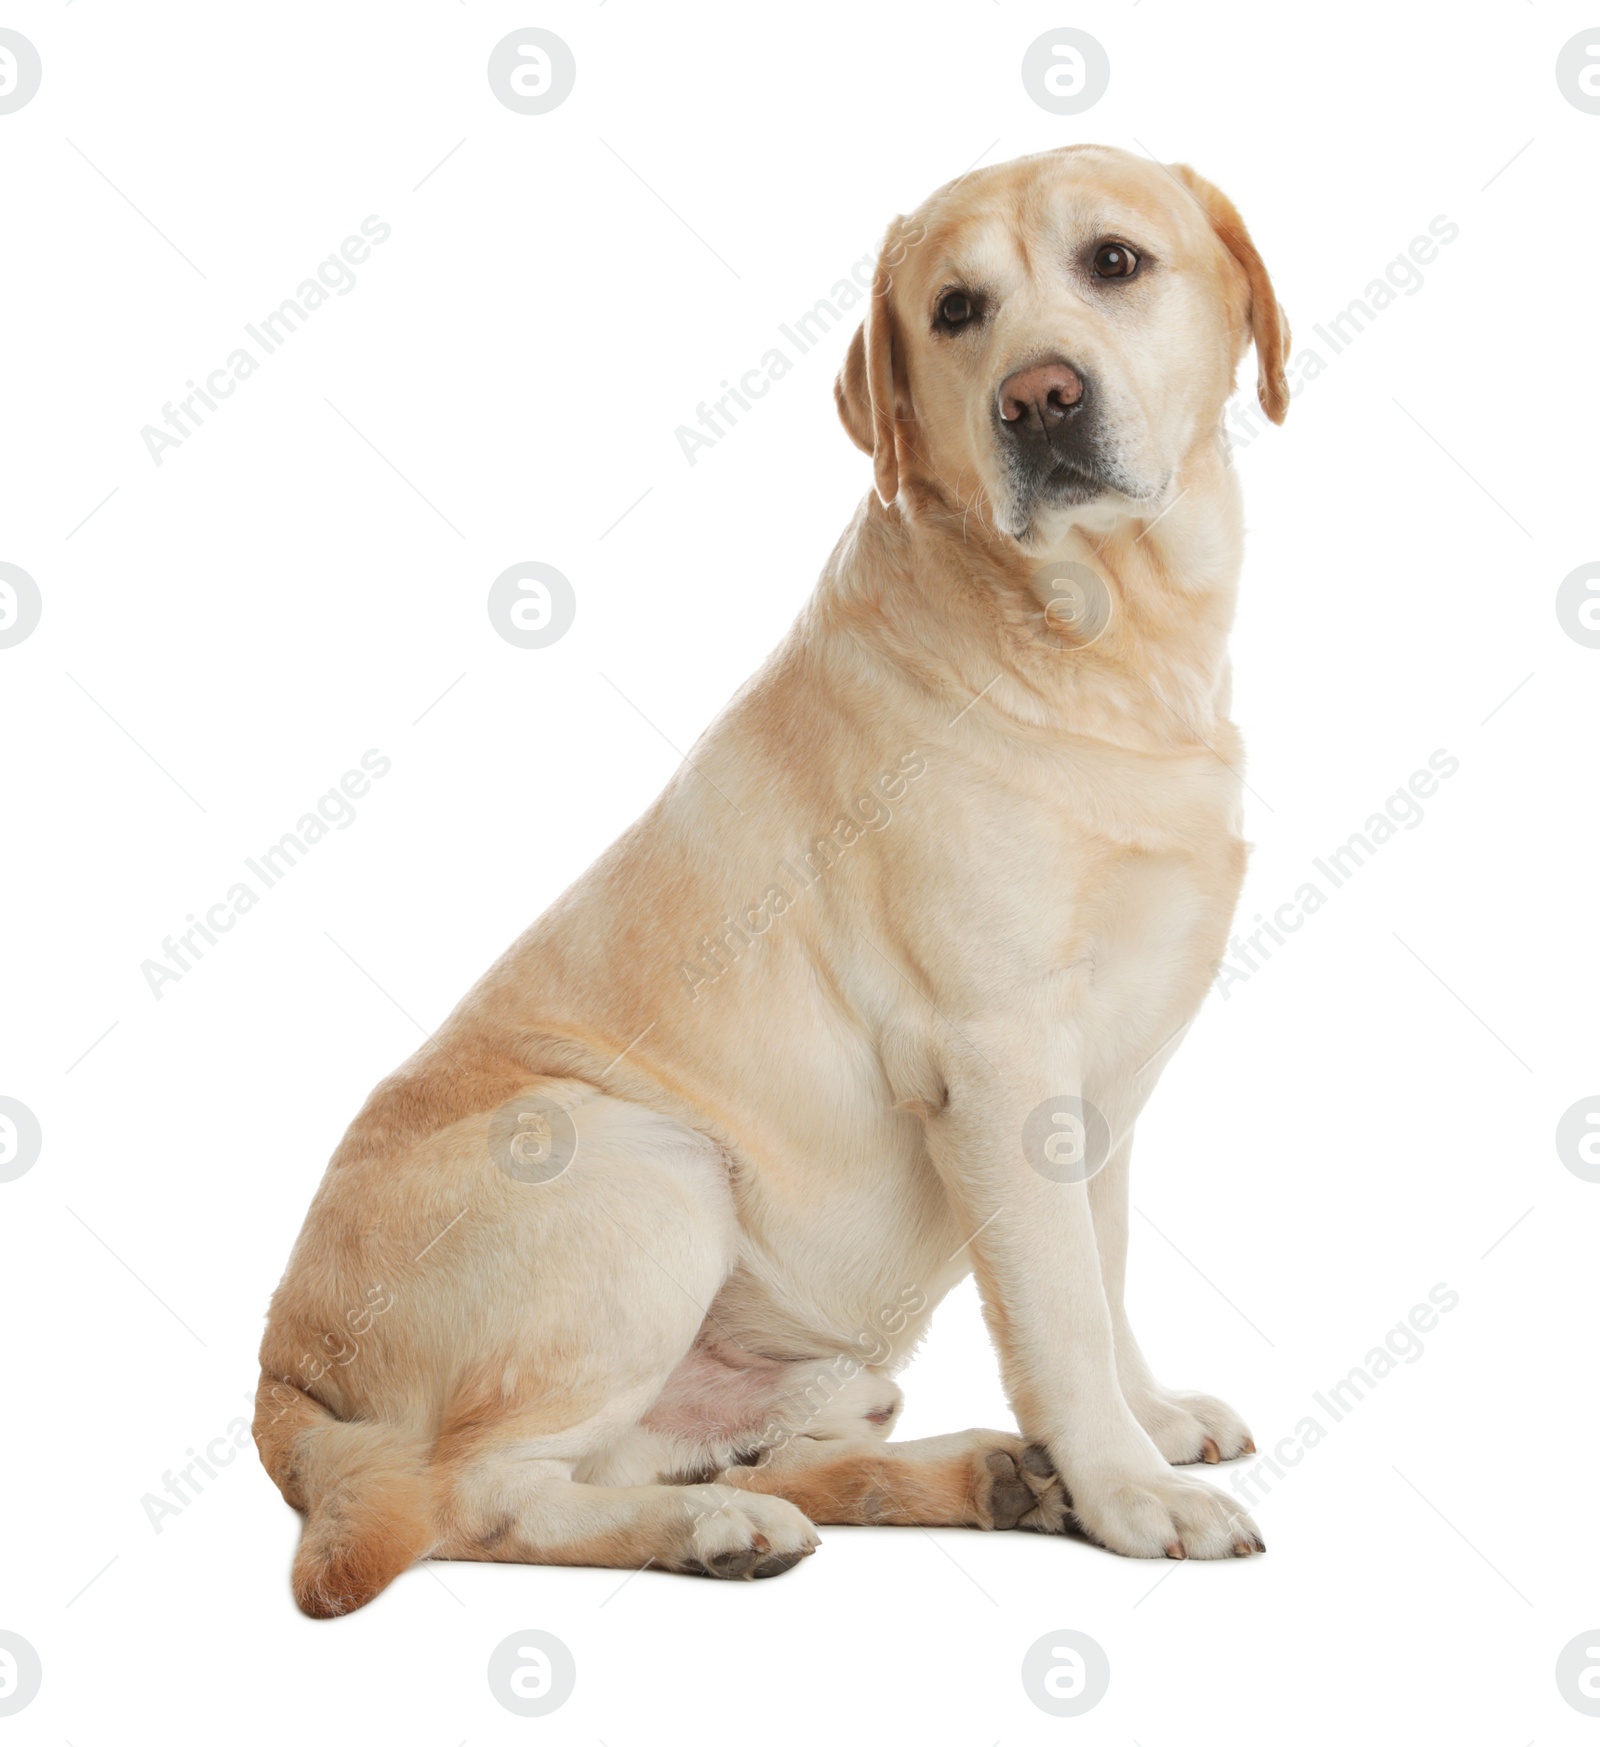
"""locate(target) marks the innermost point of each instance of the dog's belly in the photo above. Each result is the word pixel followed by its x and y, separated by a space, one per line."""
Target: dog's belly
pixel 844 1249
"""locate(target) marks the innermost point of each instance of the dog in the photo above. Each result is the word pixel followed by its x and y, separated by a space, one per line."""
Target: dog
pixel 618 1269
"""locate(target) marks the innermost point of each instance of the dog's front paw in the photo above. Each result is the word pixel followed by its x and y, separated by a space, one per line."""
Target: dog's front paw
pixel 1194 1428
pixel 1163 1515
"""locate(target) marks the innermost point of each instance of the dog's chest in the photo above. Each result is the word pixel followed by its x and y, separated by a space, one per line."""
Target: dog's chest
pixel 1104 886
pixel 1138 936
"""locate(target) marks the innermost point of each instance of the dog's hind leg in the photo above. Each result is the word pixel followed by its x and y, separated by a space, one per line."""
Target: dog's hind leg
pixel 524 1322
pixel 510 1508
pixel 973 1480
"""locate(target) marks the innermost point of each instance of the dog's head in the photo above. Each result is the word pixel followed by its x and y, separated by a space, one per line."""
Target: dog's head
pixel 1053 336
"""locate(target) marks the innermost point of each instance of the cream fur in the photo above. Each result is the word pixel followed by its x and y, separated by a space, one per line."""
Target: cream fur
pixel 799 1123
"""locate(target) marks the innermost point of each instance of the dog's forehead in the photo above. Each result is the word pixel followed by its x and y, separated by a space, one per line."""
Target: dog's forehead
pixel 995 221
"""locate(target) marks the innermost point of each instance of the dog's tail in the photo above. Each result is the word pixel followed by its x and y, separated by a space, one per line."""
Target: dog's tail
pixel 364 1488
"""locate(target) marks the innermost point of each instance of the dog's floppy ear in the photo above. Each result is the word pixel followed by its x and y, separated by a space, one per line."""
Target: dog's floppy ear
pixel 1269 327
pixel 867 390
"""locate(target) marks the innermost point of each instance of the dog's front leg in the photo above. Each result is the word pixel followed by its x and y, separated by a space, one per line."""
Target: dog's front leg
pixel 1185 1426
pixel 1038 1265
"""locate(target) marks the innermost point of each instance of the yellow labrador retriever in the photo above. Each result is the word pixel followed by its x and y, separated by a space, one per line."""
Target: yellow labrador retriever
pixel 619 1268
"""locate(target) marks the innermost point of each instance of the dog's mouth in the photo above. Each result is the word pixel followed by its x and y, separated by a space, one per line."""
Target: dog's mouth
pixel 1070 481
pixel 1053 481
pixel 1062 481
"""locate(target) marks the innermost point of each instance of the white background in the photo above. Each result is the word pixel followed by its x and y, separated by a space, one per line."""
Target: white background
pixel 1367 1116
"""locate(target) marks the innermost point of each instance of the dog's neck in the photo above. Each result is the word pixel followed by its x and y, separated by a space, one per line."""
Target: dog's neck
pixel 1118 632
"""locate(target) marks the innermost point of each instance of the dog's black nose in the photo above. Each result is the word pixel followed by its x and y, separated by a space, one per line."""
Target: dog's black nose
pixel 1035 403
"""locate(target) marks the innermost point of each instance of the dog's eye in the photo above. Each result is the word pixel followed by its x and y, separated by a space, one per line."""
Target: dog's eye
pixel 955 310
pixel 1114 261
